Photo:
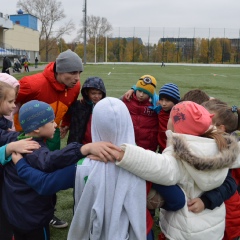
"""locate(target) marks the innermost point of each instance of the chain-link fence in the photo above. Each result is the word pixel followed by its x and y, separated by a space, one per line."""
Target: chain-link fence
pixel 157 44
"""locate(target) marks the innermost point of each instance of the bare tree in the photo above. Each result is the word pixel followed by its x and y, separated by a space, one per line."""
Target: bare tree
pixel 49 12
pixel 96 27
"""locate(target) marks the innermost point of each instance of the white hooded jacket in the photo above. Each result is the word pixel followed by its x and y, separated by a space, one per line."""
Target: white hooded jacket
pixel 110 202
pixel 175 166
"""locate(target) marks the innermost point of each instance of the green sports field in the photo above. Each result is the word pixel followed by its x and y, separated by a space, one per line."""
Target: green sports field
pixel 219 82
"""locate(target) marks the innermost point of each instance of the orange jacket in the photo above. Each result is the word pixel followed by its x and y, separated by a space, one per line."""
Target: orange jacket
pixel 44 87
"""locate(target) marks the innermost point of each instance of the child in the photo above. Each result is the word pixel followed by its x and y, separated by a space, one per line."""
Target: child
pixel 25 64
pixel 7 99
pixel 189 121
pixel 227 119
pixel 4 77
pixel 106 196
pixel 195 95
pixel 93 90
pixel 168 96
pixel 37 121
pixel 145 120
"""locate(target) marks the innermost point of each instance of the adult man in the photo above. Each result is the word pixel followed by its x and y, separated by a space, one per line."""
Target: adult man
pixel 6 65
pixel 59 86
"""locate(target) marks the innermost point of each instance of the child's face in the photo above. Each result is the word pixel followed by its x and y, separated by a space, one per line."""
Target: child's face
pixel 48 130
pixel 166 104
pixel 141 96
pixel 94 95
pixel 8 105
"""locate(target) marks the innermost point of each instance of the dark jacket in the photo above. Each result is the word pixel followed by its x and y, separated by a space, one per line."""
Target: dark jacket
pixel 25 208
pixel 6 63
pixel 81 110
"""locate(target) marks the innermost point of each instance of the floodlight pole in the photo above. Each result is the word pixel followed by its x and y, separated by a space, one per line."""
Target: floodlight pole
pixel 85 32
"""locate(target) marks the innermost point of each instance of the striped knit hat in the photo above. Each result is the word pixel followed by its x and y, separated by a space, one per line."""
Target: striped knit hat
pixel 170 91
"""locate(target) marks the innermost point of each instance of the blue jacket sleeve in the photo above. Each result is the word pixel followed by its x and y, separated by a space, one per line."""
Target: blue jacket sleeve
pixel 174 198
pixel 46 183
pixel 217 196
pixel 49 161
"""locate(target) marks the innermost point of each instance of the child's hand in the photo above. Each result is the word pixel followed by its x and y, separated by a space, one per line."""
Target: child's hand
pixel 102 151
pixel 196 205
pixel 63 131
pixel 22 146
pixel 16 157
pixel 128 94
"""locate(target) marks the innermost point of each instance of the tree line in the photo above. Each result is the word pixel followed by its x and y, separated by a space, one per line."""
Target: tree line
pixel 100 49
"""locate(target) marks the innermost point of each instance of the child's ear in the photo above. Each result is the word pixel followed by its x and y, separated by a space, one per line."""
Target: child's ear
pixel 37 130
pixel 222 127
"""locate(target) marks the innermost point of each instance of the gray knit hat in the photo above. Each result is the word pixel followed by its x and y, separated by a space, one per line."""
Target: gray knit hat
pixel 35 114
pixel 68 61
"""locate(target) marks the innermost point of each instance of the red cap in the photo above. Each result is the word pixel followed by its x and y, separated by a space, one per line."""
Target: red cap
pixel 190 118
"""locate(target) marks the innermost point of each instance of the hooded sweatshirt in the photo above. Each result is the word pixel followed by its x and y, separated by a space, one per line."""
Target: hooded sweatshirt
pixel 110 203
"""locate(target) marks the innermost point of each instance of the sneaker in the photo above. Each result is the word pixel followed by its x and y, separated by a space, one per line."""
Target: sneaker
pixel 57 223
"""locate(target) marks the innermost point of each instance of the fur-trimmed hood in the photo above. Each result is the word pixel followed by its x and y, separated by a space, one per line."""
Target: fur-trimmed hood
pixel 223 159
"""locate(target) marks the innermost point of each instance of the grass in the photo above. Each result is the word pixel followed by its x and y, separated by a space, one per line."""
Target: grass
pixel 219 82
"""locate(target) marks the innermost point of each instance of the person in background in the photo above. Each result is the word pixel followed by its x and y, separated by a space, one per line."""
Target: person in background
pixel 36 62
pixel 6 65
pixel 25 64
pixel 59 86
pixel 80 112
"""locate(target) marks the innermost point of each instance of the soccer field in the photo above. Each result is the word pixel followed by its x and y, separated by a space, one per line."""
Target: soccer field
pixel 219 82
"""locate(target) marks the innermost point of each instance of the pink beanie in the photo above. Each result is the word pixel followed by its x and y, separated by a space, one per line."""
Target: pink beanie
pixel 4 77
pixel 190 118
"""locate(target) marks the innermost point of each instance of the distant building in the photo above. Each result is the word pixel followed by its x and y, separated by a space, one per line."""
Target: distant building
pixel 19 36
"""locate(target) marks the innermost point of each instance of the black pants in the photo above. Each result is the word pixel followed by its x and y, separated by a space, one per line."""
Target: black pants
pixel 6 232
pixel 37 234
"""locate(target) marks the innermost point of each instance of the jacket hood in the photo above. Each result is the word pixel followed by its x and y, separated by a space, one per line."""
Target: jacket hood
pixel 93 82
pixel 223 159
pixel 111 122
pixel 4 77
pixel 49 74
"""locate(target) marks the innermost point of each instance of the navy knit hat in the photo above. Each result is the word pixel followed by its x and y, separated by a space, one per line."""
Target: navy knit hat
pixel 35 114
pixel 170 91
pixel 68 61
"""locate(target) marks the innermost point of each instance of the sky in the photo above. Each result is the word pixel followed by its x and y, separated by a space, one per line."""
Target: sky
pixel 169 18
